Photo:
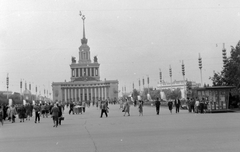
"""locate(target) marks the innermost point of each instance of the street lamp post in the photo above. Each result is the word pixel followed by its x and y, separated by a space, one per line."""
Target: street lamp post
pixel 200 67
pixel 184 84
pixel 170 73
pixel 7 85
pixel 148 95
pixel 224 55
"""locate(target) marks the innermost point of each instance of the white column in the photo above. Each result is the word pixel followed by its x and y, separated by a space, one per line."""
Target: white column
pixel 87 93
pixel 90 71
pixel 75 94
pixel 105 91
pixel 102 93
pixel 99 93
pixel 95 93
pixel 72 94
pixel 79 93
pixel 68 92
pixel 82 71
pixel 96 71
pixel 91 91
pixel 83 93
pixel 79 72
pixel 65 95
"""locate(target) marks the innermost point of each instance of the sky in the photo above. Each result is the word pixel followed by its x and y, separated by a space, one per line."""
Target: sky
pixel 133 39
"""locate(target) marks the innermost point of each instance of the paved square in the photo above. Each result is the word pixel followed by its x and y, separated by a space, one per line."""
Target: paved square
pixel 183 132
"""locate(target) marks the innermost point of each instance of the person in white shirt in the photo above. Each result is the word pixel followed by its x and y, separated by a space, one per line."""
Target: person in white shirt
pixel 197 105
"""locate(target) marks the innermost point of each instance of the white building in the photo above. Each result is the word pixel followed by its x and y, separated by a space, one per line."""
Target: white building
pixel 85 83
pixel 182 85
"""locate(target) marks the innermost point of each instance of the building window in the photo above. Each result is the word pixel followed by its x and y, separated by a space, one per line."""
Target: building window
pixel 80 72
pixel 76 72
pixel 84 71
pixel 92 71
pixel 89 71
pixel 72 72
pixel 96 71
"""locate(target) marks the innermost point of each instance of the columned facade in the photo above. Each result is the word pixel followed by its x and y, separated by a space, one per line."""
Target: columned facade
pixel 85 83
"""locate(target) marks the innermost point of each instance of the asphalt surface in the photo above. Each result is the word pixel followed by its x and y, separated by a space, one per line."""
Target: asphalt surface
pixel 182 132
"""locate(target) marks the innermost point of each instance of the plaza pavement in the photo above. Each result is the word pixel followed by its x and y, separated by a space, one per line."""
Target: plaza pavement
pixel 183 132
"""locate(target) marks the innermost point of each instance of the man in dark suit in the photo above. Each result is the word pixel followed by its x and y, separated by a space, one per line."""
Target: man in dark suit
pixel 59 113
pixel 157 104
pixel 177 105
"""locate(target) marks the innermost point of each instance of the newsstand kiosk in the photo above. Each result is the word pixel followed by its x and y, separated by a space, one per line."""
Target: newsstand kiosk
pixel 217 97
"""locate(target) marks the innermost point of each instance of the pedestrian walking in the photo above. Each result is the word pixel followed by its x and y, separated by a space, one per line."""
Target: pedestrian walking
pixel 140 108
pixel 104 108
pixel 177 105
pixel 28 111
pixel 59 114
pixel 1 114
pixel 197 103
pixel 157 104
pixel 192 103
pixel 201 105
pixel 37 109
pixel 170 106
pixel 55 112
pixel 43 107
pixel 71 108
pixel 12 112
pixel 127 108
pixel 121 104
pixel 22 113
pixel 47 109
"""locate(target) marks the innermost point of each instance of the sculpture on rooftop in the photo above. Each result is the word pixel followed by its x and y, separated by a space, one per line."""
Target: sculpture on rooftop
pixel 95 59
pixel 73 59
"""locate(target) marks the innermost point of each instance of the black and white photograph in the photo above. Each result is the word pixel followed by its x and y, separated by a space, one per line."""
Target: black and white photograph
pixel 119 75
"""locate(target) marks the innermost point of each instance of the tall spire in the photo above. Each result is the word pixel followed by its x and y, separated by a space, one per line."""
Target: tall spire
pixel 83 40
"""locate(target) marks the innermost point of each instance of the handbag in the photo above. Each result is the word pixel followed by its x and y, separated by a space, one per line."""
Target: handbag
pixel 61 118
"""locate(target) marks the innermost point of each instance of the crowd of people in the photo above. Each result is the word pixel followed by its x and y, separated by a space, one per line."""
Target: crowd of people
pixel 25 112
pixel 55 110
pixel 196 105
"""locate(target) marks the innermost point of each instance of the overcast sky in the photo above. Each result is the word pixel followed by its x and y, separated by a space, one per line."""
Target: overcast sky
pixel 132 39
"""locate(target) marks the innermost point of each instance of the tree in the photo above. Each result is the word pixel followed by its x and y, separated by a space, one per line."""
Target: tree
pixel 135 94
pixel 172 94
pixel 154 94
pixel 230 75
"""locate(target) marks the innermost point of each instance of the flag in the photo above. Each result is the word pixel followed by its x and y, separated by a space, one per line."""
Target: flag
pixel 148 80
pixel 30 86
pixel 21 84
pixel 143 81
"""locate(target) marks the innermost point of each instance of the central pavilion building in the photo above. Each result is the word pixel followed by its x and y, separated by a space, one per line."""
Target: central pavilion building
pixel 85 83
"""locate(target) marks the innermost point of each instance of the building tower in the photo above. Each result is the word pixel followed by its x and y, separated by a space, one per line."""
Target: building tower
pixel 84 70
